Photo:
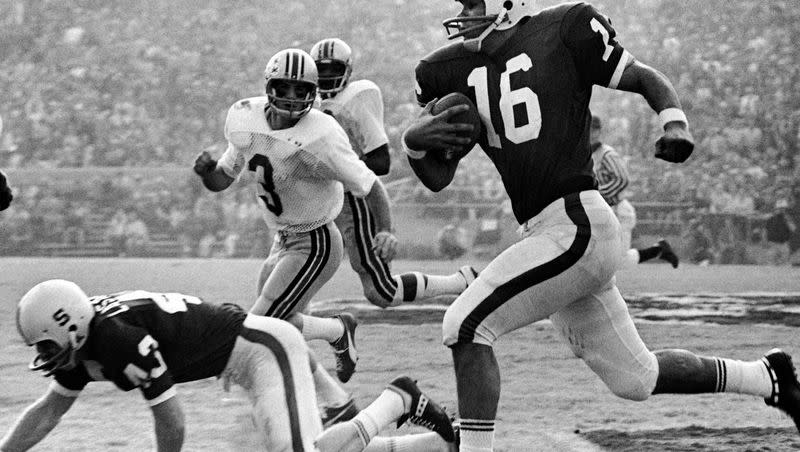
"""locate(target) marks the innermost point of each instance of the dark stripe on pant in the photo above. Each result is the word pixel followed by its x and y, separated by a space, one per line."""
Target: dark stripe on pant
pixel 364 227
pixel 536 275
pixel 323 235
pixel 274 345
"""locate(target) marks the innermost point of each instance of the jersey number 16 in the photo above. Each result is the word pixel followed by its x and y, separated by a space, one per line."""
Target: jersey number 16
pixel 478 79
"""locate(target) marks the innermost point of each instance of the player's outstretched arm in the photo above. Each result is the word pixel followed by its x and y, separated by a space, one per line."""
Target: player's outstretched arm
pixel 36 422
pixel 677 143
pixel 169 425
pixel 214 178
pixel 385 243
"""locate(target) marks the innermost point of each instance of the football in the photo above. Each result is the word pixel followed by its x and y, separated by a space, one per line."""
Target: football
pixel 470 116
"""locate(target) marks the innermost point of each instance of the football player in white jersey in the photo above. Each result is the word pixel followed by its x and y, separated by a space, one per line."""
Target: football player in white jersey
pixel 612 179
pixel 302 162
pixel 358 107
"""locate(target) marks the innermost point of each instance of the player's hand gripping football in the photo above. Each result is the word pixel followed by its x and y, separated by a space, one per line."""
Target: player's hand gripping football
pixel 677 143
pixel 385 245
pixel 204 164
pixel 431 132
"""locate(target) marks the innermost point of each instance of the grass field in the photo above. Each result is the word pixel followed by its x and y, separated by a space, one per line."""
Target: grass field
pixel 550 400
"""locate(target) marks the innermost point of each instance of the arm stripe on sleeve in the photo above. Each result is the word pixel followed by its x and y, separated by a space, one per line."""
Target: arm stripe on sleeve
pixel 623 62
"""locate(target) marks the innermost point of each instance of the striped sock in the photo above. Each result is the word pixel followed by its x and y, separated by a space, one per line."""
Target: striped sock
pixel 410 286
pixel 743 377
pixel 477 435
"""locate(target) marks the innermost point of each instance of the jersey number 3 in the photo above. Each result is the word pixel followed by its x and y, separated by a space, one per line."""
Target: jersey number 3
pixel 509 98
pixel 267 184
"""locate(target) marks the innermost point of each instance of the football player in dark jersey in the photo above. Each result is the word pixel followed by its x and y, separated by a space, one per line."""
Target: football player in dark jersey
pixel 531 75
pixel 151 341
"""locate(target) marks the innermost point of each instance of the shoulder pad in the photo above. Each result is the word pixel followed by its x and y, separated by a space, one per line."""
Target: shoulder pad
pixel 451 51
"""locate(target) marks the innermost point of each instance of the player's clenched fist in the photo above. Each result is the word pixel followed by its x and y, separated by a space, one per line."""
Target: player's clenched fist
pixel 676 145
pixel 204 163
pixel 385 245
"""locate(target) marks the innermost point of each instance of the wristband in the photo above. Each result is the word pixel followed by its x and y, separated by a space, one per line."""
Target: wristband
pixel 672 114
pixel 416 155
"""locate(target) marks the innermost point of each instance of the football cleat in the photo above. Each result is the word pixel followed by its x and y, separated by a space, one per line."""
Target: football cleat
pixel 336 414
pixel 345 348
pixel 667 254
pixel 785 387
pixel 469 274
pixel 423 411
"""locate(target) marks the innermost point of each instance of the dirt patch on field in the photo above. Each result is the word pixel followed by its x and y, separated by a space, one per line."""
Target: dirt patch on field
pixel 697 438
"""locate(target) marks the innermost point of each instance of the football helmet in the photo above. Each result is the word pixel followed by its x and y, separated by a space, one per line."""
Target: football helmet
pixel 499 15
pixel 334 60
pixel 291 83
pixel 54 316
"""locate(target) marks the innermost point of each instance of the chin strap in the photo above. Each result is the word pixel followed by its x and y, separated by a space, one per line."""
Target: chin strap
pixel 474 44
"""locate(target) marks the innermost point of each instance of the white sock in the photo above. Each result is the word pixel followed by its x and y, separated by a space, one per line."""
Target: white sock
pixel 423 442
pixel 384 410
pixel 415 286
pixel 329 392
pixel 328 328
pixel 477 435
pixel 743 377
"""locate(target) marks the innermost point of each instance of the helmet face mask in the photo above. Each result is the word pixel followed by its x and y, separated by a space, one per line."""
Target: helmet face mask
pixel 334 59
pixel 54 316
pixel 291 83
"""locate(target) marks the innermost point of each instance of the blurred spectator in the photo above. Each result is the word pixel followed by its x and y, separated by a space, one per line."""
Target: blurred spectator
pixel 699 243
pixel 116 232
pixel 136 235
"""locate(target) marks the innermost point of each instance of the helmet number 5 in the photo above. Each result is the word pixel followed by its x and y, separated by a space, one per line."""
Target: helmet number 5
pixel 266 187
pixel 509 98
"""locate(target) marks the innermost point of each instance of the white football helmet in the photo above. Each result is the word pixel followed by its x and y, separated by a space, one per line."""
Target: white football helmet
pixel 499 15
pixel 291 83
pixel 54 315
pixel 334 60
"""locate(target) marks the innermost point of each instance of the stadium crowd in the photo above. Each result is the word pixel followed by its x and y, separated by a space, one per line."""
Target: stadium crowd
pixel 116 84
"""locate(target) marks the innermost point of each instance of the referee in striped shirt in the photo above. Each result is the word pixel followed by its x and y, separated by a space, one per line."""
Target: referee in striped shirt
pixel 612 176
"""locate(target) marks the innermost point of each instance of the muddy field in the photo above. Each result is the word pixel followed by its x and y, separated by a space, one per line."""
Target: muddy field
pixel 550 400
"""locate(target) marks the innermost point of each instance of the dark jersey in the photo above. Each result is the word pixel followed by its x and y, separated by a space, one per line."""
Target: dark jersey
pixel 153 340
pixel 533 97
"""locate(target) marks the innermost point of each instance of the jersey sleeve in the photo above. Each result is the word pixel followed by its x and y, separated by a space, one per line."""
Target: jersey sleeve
pixel 131 359
pixel 365 112
pixel 338 161
pixel 71 382
pixel 425 86
pixel 592 41
pixel 233 159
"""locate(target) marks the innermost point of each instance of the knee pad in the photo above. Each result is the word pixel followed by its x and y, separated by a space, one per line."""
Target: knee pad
pixel 635 384
pixel 455 330
pixel 374 297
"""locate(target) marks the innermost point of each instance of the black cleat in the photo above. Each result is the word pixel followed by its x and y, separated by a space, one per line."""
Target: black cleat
pixel 345 348
pixel 667 254
pixel 336 414
pixel 424 411
pixel 785 387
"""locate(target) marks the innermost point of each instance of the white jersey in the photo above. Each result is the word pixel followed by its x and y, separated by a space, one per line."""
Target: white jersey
pixel 359 110
pixel 301 172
